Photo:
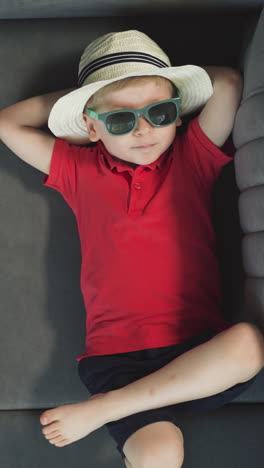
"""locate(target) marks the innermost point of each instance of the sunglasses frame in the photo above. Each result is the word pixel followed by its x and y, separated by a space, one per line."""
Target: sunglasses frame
pixel 137 113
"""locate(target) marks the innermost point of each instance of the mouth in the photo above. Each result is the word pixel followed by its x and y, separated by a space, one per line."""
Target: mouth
pixel 144 146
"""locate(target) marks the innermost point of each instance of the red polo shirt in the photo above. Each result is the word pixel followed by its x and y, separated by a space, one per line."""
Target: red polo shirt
pixel 149 272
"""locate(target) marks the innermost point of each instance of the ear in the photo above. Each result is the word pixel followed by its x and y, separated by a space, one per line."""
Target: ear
pixel 179 123
pixel 91 128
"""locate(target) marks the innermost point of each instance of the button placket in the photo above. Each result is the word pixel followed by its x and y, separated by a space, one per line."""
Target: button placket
pixel 136 187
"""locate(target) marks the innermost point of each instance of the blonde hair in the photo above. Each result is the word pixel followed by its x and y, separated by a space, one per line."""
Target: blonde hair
pixel 96 99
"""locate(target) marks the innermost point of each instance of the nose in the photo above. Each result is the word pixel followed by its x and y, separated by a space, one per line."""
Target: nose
pixel 143 126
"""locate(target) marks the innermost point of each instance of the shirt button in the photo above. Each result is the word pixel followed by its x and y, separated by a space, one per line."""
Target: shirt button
pixel 137 185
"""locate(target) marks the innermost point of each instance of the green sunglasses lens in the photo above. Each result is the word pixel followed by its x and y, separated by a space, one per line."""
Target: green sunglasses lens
pixel 163 114
pixel 123 122
pixel 120 123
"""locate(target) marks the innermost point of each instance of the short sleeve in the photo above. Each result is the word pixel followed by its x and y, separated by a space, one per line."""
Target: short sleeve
pixel 204 155
pixel 63 170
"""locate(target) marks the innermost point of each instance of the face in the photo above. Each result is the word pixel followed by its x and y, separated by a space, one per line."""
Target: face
pixel 145 143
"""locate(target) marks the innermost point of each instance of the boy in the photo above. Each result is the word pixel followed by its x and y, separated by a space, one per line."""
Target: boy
pixel 142 200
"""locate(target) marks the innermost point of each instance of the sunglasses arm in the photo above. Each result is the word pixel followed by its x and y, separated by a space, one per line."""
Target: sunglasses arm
pixel 92 114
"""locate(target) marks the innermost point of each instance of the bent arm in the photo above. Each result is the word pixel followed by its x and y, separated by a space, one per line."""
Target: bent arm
pixel 218 115
pixel 20 129
pixel 33 112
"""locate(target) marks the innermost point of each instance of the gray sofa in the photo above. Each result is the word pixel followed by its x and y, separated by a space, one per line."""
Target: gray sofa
pixel 41 306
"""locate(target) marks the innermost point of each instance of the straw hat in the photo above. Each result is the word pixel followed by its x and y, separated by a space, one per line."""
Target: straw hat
pixel 119 55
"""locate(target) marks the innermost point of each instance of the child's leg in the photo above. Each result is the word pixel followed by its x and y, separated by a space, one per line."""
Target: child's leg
pixel 231 357
pixel 160 444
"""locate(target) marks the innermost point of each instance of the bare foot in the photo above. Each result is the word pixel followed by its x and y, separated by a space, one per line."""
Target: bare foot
pixel 69 423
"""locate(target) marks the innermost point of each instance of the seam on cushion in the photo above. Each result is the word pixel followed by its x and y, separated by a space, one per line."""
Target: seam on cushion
pixel 252 93
pixel 246 144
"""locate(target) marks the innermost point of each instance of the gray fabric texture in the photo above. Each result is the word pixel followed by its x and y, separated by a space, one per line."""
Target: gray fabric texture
pixel 16 9
pixel 249 169
pixel 42 310
pixel 229 437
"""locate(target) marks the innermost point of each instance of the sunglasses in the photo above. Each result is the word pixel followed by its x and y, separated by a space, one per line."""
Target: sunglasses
pixel 121 122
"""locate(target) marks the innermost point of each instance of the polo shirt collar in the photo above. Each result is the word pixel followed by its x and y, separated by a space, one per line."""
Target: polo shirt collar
pixel 123 166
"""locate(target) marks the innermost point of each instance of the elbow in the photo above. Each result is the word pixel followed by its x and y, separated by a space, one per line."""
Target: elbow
pixel 235 77
pixel 235 81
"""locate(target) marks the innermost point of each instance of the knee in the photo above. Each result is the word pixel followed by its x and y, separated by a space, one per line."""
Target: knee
pixel 251 342
pixel 155 445
pixel 169 454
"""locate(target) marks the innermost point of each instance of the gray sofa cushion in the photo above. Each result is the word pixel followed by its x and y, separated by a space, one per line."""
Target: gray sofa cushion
pixel 249 168
pixel 81 8
pixel 42 310
pixel 233 438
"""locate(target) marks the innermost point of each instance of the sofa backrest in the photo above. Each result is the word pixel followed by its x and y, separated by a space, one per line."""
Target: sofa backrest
pixel 248 137
pixel 89 8
pixel 41 307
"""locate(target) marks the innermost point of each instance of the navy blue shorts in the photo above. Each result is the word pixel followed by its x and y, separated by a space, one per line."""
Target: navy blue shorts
pixel 101 374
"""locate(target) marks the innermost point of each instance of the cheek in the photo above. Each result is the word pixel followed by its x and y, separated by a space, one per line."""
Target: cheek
pixel 117 146
pixel 173 130
pixel 169 132
pixel 120 141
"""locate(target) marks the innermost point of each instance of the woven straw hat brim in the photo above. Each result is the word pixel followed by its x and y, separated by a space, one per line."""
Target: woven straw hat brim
pixel 66 117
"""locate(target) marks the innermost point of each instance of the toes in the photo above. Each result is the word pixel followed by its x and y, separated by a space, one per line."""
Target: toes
pixel 47 430
pixel 62 443
pixel 44 418
pixel 52 435
pixel 48 417
pixel 56 440
pixel 55 437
